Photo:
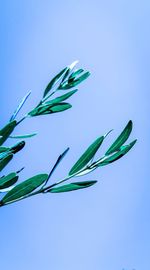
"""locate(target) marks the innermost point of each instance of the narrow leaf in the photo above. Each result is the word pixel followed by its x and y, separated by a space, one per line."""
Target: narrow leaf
pixel 72 186
pixel 5 161
pixel 48 109
pixel 60 107
pixel 17 147
pixel 56 164
pixel 24 188
pixel 58 161
pixel 6 131
pixel 87 156
pixel 121 139
pixel 23 136
pixel 109 159
pixel 19 107
pixel 61 98
pixel 54 81
pixel 9 180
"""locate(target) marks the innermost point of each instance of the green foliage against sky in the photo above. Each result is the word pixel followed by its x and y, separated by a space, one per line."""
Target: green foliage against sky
pixel 59 86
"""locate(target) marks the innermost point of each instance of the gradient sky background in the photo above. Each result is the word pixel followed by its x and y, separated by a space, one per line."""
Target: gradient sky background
pixel 107 226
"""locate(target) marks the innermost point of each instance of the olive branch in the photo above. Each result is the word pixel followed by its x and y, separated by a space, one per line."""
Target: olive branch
pixel 66 79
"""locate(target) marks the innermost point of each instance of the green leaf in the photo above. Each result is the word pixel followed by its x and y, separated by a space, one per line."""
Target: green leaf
pixel 23 136
pixel 58 161
pixel 75 74
pixel 56 164
pixel 72 186
pixel 19 107
pixel 109 159
pixel 5 161
pixel 9 180
pixel 87 156
pixel 48 109
pixel 67 85
pixel 121 139
pixel 60 107
pixel 24 188
pixel 61 98
pixel 6 131
pixel 54 81
pixel 17 147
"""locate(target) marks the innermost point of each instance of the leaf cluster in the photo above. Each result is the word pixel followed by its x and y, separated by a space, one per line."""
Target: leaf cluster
pixel 65 80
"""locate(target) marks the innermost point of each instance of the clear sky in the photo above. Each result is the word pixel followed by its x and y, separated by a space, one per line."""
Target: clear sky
pixel 105 227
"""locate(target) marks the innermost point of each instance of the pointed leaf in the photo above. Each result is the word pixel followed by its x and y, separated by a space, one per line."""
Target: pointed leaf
pixel 5 161
pixel 58 161
pixel 61 98
pixel 17 147
pixel 9 180
pixel 56 164
pixel 72 186
pixel 23 136
pixel 48 109
pixel 24 188
pixel 109 159
pixel 54 81
pixel 19 107
pixel 60 107
pixel 6 131
pixel 121 139
pixel 87 156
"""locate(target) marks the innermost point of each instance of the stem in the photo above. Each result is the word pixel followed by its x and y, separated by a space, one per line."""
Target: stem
pixel 22 119
pixel 44 99
pixel 42 190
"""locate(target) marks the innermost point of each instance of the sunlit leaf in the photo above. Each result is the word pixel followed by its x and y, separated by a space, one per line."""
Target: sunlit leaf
pixel 87 156
pixel 121 139
pixel 6 131
pixel 72 186
pixel 5 161
pixel 9 180
pixel 23 136
pixel 24 188
pixel 19 107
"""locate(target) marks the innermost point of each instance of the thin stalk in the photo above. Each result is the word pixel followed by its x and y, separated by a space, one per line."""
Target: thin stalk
pixel 22 119
pixel 44 99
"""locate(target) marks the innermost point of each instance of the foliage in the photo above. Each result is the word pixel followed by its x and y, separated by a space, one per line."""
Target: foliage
pixel 65 80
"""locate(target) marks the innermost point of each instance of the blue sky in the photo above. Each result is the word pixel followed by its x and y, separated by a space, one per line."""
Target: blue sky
pixel 106 226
